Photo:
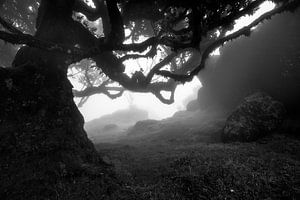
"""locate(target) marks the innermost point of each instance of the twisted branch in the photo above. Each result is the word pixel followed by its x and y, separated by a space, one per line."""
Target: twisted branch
pixel 246 31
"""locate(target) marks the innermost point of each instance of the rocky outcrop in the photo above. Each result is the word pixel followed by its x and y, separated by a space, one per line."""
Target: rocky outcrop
pixel 109 127
pixel 145 127
pixel 184 127
pixel 258 115
pixel 193 105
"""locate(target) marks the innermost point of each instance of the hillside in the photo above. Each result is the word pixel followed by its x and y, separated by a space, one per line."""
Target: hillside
pixel 183 158
pixel 110 127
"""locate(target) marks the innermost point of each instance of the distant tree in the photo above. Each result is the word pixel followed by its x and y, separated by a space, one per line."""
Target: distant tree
pixel 40 126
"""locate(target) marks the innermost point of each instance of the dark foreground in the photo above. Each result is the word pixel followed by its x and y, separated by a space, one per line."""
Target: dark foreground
pixel 160 169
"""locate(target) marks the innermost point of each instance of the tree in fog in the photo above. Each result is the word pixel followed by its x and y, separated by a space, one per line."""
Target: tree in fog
pixel 173 33
pixel 40 124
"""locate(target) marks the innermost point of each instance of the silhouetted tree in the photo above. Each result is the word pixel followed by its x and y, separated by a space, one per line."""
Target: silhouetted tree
pixel 262 65
pixel 45 153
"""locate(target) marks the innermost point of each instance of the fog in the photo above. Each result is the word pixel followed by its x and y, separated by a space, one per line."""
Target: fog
pixel 268 62
pixel 99 105
pixel 232 132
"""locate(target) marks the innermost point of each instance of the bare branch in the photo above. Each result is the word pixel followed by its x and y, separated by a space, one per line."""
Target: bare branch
pixel 82 101
pixel 32 41
pixel 163 99
pixel 117 33
pixel 77 54
pixel 157 87
pixel 150 54
pixel 9 26
pixel 235 15
pixel 244 31
pixel 102 89
pixel 158 66
pixel 139 82
pixel 92 14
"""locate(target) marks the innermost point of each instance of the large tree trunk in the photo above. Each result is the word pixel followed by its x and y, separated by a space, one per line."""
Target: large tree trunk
pixel 44 151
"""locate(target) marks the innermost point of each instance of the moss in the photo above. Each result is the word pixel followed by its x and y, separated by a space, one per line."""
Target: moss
pixel 44 151
pixel 267 169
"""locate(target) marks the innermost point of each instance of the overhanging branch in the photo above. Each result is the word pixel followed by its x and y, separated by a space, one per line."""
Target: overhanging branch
pixel 140 83
pixel 9 26
pixel 92 14
pixel 89 91
pixel 246 31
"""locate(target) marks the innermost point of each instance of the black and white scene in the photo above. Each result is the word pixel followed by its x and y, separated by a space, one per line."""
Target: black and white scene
pixel 149 99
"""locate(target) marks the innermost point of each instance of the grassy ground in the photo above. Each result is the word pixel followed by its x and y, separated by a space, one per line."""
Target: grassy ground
pixel 267 169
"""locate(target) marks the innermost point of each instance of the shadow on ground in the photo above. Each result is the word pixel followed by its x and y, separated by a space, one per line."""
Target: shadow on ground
pixel 177 160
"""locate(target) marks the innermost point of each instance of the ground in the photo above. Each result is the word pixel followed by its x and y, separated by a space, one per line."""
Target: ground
pixel 162 169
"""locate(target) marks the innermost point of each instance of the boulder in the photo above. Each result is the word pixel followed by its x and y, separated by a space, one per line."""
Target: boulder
pixel 258 115
pixel 123 118
pixel 193 105
pixel 255 63
pixel 184 127
pixel 110 127
pixel 145 127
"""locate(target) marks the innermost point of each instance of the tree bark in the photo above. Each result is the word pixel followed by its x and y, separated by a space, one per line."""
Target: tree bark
pixel 44 151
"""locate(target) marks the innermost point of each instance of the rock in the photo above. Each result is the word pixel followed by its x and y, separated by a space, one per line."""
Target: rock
pixel 124 118
pixel 184 127
pixel 110 127
pixel 256 63
pixel 258 115
pixel 193 105
pixel 145 127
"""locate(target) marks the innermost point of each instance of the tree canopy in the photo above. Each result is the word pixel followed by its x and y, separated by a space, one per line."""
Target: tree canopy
pixel 45 151
pixel 178 36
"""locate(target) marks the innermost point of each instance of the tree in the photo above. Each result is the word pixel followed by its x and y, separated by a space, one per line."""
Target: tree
pixel 45 153
pixel 230 79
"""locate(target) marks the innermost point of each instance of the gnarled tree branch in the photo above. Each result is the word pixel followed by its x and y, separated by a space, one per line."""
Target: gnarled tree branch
pixel 115 37
pixel 9 26
pixel 91 14
pixel 246 31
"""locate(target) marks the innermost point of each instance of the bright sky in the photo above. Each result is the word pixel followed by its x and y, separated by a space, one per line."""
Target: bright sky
pixel 99 105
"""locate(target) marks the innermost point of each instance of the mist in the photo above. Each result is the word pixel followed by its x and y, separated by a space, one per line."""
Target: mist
pixel 164 99
pixel 93 109
pixel 262 65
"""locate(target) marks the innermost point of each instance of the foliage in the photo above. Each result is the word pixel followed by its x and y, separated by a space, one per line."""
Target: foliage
pixel 113 32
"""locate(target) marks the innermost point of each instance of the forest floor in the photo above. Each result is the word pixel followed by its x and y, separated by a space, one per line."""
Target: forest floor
pixel 178 170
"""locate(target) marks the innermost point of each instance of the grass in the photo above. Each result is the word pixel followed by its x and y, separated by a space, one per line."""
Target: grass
pixel 266 169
